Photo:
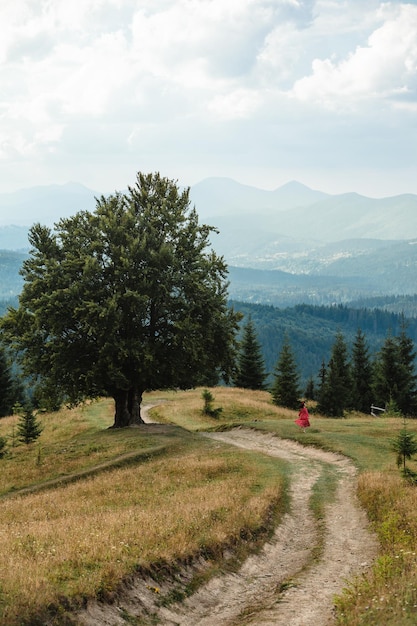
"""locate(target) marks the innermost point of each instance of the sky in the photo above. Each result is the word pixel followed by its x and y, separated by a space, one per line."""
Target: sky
pixel 262 91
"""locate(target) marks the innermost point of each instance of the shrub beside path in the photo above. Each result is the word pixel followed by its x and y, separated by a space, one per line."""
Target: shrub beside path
pixel 286 583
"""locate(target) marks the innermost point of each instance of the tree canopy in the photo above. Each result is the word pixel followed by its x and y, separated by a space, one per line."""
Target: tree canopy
pixel 125 299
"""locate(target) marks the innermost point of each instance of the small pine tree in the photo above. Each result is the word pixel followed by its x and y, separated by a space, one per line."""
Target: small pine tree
pixel 251 365
pixel 28 427
pixel 405 445
pixel 285 387
pixel 208 408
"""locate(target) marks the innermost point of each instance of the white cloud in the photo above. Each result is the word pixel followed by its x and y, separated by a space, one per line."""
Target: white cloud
pixel 202 85
pixel 385 68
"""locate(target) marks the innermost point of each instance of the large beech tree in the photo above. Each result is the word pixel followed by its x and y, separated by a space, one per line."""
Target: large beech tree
pixel 126 299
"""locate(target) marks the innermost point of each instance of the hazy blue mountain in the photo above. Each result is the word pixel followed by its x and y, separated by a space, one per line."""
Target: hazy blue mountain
pixel 14 237
pixel 294 228
pixel 214 197
pixel 351 216
pixel 11 282
pixel 44 204
pixel 292 211
pixel 323 248
pixel 296 211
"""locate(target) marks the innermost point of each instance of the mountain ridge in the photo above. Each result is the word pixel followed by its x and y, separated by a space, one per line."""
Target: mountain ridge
pixel 348 244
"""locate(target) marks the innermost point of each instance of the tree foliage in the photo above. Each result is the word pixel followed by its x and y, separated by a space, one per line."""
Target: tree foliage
pixel 335 391
pixel 251 366
pixel 362 374
pixel 125 299
pixel 10 389
pixel 208 408
pixel 28 426
pixel 407 396
pixel 405 446
pixel 395 379
pixel 285 387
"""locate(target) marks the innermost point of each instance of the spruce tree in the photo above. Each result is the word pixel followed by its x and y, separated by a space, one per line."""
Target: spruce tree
pixel 251 366
pixel 362 374
pixel 28 427
pixel 405 445
pixel 285 387
pixel 406 400
pixel 395 378
pixel 9 392
pixel 388 373
pixel 336 392
pixel 310 391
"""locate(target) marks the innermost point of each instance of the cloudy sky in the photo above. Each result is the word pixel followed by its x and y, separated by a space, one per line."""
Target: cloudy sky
pixel 262 91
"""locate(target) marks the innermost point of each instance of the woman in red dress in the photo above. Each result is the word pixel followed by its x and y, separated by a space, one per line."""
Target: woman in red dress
pixel 303 417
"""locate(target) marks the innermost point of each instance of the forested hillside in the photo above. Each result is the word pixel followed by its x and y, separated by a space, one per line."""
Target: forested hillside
pixel 311 330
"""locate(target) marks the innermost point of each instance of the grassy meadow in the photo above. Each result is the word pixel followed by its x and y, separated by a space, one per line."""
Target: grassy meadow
pixel 86 506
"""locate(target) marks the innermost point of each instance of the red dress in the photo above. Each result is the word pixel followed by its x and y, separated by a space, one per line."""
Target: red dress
pixel 303 416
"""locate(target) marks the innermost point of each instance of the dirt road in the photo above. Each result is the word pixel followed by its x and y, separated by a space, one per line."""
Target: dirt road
pixel 282 584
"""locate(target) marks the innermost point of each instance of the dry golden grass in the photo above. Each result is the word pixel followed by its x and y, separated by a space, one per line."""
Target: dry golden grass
pixel 71 441
pixel 389 594
pixel 238 407
pixel 81 539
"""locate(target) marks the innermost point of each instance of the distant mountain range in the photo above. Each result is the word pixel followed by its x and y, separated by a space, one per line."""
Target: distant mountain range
pixel 294 218
pixel 288 245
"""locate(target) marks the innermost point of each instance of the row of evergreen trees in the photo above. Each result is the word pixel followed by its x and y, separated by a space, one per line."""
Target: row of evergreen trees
pixel 350 380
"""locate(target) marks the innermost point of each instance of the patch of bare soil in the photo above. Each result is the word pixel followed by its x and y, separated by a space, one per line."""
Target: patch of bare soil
pixel 284 583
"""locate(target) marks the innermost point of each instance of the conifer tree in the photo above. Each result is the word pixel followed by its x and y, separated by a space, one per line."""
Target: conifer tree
pixel 395 379
pixel 9 391
pixel 322 387
pixel 310 391
pixel 285 387
pixel 405 445
pixel 362 374
pixel 251 366
pixel 407 377
pixel 388 373
pixel 28 427
pixel 335 396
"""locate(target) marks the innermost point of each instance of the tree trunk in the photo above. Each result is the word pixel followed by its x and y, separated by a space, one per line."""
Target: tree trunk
pixel 127 408
pixel 134 402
